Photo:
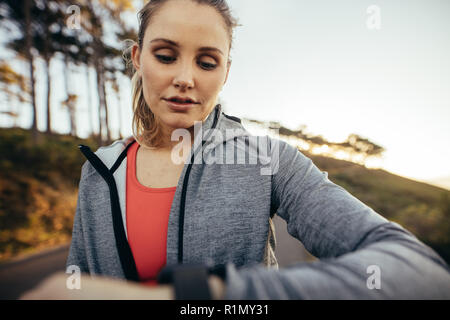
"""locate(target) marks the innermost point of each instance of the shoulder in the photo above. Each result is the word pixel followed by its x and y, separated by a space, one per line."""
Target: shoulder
pixel 118 145
pixel 286 157
pixel 283 147
pixel 232 118
pixel 107 154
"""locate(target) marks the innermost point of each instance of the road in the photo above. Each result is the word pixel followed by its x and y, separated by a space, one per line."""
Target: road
pixel 23 274
pixel 19 276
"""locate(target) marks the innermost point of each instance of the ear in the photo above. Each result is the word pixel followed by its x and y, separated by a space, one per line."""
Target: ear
pixel 135 57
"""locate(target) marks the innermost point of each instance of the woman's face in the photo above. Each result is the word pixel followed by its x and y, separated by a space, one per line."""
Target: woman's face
pixel 178 66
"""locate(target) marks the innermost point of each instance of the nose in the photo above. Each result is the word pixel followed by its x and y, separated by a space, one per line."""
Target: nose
pixel 184 78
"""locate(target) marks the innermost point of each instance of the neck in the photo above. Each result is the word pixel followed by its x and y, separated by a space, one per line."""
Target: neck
pixel 167 144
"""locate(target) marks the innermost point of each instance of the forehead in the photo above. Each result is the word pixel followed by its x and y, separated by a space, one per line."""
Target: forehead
pixel 189 24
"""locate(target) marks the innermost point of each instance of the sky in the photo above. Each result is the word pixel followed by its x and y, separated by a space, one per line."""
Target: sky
pixel 318 63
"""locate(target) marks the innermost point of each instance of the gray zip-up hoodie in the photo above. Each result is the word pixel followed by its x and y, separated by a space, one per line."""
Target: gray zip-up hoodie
pixel 221 215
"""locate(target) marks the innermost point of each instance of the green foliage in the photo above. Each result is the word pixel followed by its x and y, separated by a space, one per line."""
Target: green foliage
pixel 38 190
pixel 55 156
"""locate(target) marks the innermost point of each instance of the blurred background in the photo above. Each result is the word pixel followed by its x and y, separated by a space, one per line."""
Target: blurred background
pixel 360 87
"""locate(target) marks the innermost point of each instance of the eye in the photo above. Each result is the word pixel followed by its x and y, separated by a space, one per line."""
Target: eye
pixel 207 66
pixel 165 59
pixel 168 59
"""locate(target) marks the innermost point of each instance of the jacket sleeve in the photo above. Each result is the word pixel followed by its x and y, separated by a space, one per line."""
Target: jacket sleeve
pixel 362 254
pixel 77 253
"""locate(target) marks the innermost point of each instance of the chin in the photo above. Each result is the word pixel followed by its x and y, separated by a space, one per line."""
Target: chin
pixel 179 120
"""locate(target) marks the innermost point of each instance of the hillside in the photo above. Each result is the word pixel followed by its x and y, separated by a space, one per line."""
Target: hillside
pixel 421 208
pixel 38 190
pixel 38 194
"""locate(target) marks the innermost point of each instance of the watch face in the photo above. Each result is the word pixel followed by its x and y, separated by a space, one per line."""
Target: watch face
pixel 191 282
pixel 165 275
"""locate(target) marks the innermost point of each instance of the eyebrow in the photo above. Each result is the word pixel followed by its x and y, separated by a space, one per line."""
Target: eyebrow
pixel 175 44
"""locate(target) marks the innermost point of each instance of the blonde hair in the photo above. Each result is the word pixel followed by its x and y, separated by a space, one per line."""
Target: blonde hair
pixel 146 127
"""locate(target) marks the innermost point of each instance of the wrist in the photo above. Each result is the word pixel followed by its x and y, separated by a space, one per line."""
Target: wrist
pixel 195 281
pixel 216 287
pixel 190 281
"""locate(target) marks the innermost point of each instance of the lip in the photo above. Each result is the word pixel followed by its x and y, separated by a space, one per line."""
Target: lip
pixel 182 98
pixel 180 106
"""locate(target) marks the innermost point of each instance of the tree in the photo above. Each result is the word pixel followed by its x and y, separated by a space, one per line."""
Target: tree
pixel 44 32
pixel 19 13
pixel 13 85
pixel 105 58
pixel 364 146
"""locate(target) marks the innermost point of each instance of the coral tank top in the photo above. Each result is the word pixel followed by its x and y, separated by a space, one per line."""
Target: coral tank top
pixel 147 220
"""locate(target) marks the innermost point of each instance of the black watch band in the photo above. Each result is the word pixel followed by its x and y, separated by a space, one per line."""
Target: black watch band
pixel 190 281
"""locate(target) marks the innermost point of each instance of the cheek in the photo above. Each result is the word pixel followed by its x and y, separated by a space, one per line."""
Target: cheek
pixel 154 79
pixel 212 83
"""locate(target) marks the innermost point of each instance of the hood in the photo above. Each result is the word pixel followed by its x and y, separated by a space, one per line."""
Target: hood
pixel 213 132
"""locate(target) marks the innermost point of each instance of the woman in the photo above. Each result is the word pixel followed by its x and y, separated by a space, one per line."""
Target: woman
pixel 201 221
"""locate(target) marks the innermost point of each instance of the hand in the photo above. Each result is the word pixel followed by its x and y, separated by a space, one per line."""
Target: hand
pixel 217 287
pixel 98 288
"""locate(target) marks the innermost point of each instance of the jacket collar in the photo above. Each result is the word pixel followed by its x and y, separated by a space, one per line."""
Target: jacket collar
pixel 227 127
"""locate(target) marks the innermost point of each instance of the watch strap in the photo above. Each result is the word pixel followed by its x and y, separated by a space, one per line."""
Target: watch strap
pixel 190 281
pixel 191 284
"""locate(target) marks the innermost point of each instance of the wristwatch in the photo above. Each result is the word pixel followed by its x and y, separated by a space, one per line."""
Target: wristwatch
pixel 190 281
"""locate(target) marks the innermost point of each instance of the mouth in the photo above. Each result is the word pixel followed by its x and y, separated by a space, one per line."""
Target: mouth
pixel 182 100
pixel 181 104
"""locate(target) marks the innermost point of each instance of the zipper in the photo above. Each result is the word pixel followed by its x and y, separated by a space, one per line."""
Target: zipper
pixel 125 254
pixel 184 190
